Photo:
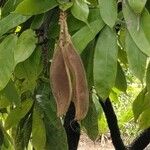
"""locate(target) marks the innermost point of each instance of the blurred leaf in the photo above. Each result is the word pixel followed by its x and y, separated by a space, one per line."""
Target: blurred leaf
pixel 136 59
pixel 137 5
pixel 17 114
pixel 105 62
pixel 145 19
pixel 135 29
pixel 25 46
pixel 34 7
pixel 148 78
pixel 108 10
pixel 122 55
pixel 37 21
pixel 11 21
pixel 144 120
pixel 38 131
pixel 121 82
pixel 9 6
pixel 7 59
pixel 86 34
pixel 140 104
pixel 80 10
pixel 9 93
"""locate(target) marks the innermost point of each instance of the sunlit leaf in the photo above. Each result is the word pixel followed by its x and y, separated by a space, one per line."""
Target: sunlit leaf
pixel 140 103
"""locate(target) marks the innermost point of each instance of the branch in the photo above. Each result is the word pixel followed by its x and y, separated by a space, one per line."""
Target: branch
pixel 141 141
pixel 72 128
pixel 112 124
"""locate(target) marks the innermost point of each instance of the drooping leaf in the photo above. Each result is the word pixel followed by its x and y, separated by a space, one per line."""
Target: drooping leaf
pixel 135 29
pixel 7 59
pixel 137 5
pixel 34 7
pixel 11 21
pixel 18 113
pixel 25 46
pixel 80 10
pixel 136 59
pixel 140 103
pixel 108 10
pixel 38 131
pixel 144 120
pixel 91 120
pixel 85 35
pixel 120 82
pixel 105 62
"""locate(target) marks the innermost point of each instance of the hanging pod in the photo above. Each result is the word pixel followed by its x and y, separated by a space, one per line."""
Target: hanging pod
pixel 68 78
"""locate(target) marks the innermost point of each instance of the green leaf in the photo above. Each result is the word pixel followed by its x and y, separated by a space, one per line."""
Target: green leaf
pixel 38 131
pixel 140 103
pixel 135 29
pixel 108 10
pixel 148 78
pixel 137 5
pixel 17 114
pixel 29 71
pixel 145 19
pixel 80 10
pixel 120 82
pixel 11 21
pixel 136 59
pixel 37 21
pixel 90 122
pixel 9 93
pixel 144 120
pixel 34 7
pixel 9 6
pixel 105 62
pixel 7 59
pixel 85 35
pixel 25 46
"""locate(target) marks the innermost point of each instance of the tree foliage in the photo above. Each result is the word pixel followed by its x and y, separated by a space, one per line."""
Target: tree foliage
pixel 109 35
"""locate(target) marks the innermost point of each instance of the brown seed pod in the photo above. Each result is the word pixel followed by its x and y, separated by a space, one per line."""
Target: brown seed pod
pixel 68 75
pixel 80 87
pixel 60 82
